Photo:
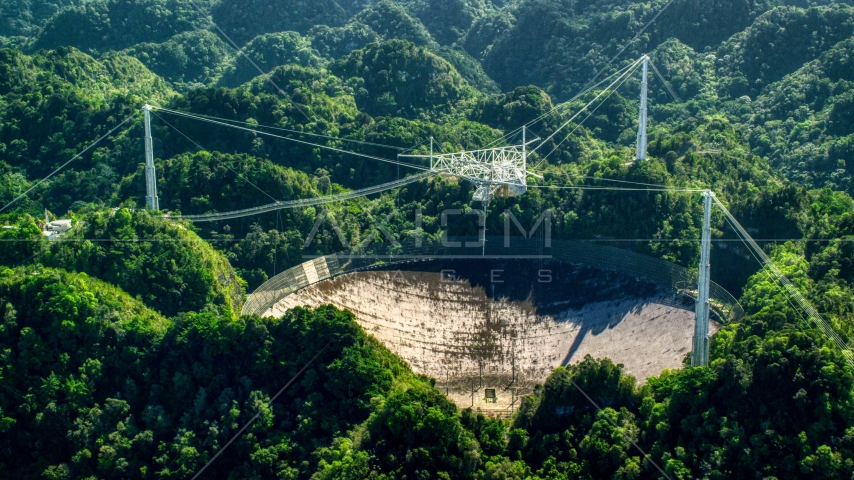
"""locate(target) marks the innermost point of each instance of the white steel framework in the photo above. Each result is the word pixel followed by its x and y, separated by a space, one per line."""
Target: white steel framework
pixel 500 171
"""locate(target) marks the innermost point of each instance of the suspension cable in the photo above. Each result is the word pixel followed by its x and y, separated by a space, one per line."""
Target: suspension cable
pixel 665 7
pixel 578 175
pixel 304 142
pixel 665 82
pixel 789 288
pixel 127 119
pixel 210 117
pixel 240 51
pixel 560 105
pixel 590 114
pixel 255 417
pixel 618 189
pixel 299 203
pixel 767 271
pixel 762 267
pixel 624 75
pixel 221 162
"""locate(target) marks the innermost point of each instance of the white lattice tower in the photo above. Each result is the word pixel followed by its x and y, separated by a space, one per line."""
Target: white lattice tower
pixel 642 120
pixel 151 199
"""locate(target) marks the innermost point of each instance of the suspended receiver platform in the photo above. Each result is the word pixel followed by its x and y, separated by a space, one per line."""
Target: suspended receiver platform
pixel 500 171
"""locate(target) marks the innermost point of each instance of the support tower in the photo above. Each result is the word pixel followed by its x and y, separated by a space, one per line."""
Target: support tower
pixel 151 200
pixel 700 353
pixel 642 120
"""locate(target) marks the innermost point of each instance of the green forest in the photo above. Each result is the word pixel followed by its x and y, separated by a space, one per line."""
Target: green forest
pixel 123 351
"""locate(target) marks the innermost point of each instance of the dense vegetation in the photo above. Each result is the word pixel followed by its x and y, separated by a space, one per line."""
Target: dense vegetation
pixel 775 400
pixel 122 352
pixel 111 392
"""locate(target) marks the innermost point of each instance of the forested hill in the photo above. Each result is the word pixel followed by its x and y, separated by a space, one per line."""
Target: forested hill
pixel 122 351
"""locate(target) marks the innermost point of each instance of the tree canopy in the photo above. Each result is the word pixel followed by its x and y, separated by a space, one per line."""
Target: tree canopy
pixel 122 350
